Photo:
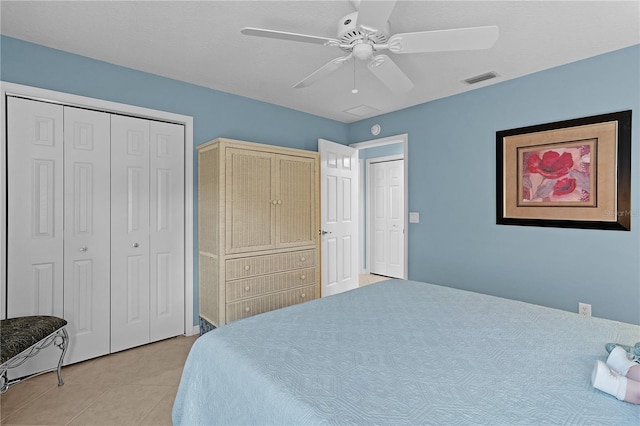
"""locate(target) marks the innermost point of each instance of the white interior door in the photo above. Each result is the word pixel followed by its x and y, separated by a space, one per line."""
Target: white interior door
pixel 87 141
pixel 129 232
pixel 34 217
pixel 166 239
pixel 35 208
pixel 387 218
pixel 339 217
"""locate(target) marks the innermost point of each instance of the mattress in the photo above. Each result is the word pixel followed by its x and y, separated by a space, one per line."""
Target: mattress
pixel 404 352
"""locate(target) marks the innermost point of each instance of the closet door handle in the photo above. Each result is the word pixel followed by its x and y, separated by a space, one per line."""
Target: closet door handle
pixel 84 249
pixel 136 245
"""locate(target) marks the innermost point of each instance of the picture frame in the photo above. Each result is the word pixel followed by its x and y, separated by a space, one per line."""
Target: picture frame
pixel 567 174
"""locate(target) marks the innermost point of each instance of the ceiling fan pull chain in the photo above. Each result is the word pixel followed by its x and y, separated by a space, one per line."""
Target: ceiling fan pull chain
pixel 355 89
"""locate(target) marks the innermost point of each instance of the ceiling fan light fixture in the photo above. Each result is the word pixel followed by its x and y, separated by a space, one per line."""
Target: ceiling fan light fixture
pixel 363 51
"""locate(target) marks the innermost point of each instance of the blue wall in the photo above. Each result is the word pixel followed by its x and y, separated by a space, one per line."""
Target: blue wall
pixel 451 167
pixel 452 164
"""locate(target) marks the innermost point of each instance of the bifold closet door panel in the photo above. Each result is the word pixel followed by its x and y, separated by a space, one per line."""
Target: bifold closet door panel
pixel 129 232
pixel 35 208
pixel 166 239
pixel 87 140
pixel 35 217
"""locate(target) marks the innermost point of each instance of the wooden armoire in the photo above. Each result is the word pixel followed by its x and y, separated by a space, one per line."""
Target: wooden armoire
pixel 258 222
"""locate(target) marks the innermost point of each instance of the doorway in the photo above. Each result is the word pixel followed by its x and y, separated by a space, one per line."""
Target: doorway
pixel 393 149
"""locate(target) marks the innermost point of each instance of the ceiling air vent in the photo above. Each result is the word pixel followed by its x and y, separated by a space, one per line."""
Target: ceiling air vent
pixel 481 77
pixel 361 110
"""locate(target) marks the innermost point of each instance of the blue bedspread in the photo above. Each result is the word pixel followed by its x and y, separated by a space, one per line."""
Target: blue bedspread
pixel 403 352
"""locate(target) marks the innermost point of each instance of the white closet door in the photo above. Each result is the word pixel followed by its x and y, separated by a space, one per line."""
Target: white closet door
pixel 387 218
pixel 129 232
pixel 87 251
pixel 35 218
pixel 166 242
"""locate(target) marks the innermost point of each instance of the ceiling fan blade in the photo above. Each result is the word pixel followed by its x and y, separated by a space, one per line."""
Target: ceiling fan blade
pixel 325 70
pixel 388 73
pixel 444 40
pixel 374 14
pixel 283 35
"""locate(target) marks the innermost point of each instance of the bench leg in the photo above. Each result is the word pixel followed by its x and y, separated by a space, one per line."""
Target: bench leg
pixel 63 345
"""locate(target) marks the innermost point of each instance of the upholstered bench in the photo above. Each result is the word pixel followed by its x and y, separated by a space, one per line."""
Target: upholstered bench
pixel 23 337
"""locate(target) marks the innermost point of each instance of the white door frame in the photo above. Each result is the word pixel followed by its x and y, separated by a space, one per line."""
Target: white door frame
pixel 404 139
pixel 45 95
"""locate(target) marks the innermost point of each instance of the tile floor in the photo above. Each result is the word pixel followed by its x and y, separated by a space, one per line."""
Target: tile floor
pixel 366 279
pixel 133 387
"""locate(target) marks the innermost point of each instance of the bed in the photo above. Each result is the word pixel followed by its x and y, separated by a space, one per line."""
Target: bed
pixel 404 352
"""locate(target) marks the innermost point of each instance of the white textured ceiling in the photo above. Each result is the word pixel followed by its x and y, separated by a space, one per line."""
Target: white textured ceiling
pixel 200 42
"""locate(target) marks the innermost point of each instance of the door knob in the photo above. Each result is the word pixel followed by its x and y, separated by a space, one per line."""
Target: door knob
pixel 136 245
pixel 323 232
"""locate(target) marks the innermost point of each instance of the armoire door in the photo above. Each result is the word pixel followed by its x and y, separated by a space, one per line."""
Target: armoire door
pixel 87 139
pixel 297 198
pixel 250 200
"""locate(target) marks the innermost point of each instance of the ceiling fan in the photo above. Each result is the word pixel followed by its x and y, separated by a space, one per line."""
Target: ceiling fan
pixel 364 33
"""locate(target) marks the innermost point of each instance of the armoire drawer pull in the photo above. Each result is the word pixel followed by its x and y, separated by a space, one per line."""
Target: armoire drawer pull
pixel 247 288
pixel 247 309
pixel 302 259
pixel 303 277
pixel 303 295
pixel 246 267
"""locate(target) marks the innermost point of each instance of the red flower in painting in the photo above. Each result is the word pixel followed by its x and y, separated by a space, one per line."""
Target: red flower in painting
pixel 552 165
pixel 564 186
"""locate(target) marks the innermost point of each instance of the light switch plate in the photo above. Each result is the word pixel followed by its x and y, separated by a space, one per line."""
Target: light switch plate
pixel 414 217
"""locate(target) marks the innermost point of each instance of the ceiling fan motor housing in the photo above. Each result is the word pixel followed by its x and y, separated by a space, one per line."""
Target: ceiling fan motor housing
pixel 349 33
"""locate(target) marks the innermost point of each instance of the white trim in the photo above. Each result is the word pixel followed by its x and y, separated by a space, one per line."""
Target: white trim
pixel 404 139
pixel 112 107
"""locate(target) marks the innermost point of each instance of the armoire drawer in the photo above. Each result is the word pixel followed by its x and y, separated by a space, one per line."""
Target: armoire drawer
pixel 256 286
pixel 260 265
pixel 258 305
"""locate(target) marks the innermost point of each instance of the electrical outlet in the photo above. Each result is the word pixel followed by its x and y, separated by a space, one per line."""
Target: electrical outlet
pixel 584 309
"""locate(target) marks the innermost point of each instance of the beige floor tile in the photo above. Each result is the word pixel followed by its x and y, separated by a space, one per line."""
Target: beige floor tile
pixel 160 415
pixel 128 387
pixel 20 394
pixel 366 279
pixel 110 369
pixel 122 405
pixel 56 406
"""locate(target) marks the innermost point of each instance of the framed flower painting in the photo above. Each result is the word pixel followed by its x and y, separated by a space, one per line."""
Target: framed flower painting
pixel 571 174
